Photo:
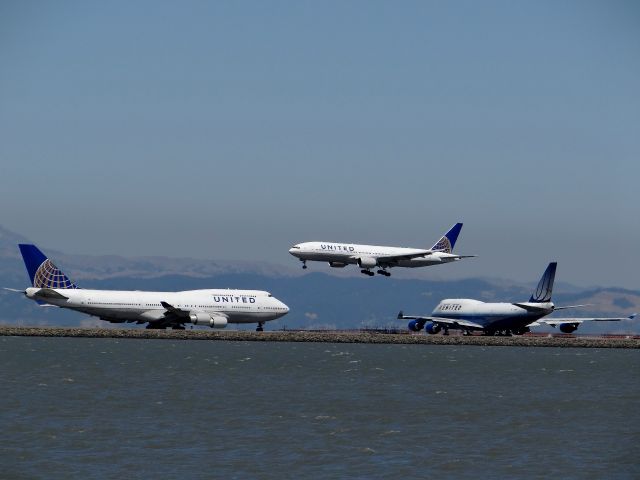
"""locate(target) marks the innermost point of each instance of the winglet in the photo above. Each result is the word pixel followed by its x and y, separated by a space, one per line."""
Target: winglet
pixel 632 316
pixel 542 293
pixel 400 315
pixel 448 241
pixel 42 272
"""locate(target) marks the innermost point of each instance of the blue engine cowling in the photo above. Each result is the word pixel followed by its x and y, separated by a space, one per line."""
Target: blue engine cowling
pixel 415 325
pixel 432 328
pixel 568 327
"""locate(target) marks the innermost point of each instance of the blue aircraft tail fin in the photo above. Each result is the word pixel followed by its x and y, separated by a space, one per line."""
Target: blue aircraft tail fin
pixel 42 272
pixel 542 293
pixel 448 241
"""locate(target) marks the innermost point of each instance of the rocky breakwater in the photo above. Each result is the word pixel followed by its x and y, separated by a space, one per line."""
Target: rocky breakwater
pixel 325 337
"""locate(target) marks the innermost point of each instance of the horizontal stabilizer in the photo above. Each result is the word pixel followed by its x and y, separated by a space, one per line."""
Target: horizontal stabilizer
pixel 573 306
pixel 16 290
pixel 49 293
pixel 532 308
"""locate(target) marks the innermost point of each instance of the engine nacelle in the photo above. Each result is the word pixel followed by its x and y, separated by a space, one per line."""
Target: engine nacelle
pixel 218 322
pixel 367 262
pixel 568 327
pixel 413 326
pixel 337 264
pixel 432 328
pixel 202 318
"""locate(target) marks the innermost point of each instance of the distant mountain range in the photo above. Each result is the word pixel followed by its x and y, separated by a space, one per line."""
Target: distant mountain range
pixel 317 300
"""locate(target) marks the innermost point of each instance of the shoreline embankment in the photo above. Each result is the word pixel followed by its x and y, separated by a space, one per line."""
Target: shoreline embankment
pixel 363 337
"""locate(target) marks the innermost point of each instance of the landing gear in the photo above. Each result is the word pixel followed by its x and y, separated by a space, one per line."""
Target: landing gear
pixel 445 331
pixel 384 273
pixel 304 264
pixel 368 272
pixel 152 326
pixel 178 327
pixel 261 324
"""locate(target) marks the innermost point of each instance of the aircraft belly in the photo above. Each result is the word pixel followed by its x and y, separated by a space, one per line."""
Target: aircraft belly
pixel 247 317
pixel 324 257
pixel 110 313
pixel 510 323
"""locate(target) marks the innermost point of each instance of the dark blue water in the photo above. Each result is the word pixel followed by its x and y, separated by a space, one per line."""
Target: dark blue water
pixel 86 408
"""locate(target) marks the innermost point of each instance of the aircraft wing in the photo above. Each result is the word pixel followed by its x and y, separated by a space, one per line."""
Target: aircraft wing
pixel 450 322
pixel 178 312
pixel 405 256
pixel 174 315
pixel 559 321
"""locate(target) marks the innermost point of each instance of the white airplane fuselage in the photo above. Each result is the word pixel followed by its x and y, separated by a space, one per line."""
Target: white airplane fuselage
pixel 492 316
pixel 237 306
pixel 343 254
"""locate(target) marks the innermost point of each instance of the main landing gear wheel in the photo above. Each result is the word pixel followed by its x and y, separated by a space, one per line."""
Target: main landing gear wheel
pixel 384 272
pixel 259 327
pixel 151 326
pixel 368 272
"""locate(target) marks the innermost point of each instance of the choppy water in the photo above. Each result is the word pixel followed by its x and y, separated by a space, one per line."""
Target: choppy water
pixel 86 408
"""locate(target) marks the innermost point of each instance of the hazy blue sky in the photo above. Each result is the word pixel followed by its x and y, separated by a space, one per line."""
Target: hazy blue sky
pixel 234 129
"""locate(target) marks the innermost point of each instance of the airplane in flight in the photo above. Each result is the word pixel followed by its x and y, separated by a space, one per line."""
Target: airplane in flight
pixel 339 255
pixel 215 308
pixel 501 318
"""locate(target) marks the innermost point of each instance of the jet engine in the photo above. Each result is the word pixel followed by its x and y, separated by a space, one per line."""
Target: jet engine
pixel 432 328
pixel 337 264
pixel 202 318
pixel 413 326
pixel 568 327
pixel 367 262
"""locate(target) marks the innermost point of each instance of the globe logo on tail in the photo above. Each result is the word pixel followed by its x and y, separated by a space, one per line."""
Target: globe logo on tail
pixel 49 276
pixel 443 245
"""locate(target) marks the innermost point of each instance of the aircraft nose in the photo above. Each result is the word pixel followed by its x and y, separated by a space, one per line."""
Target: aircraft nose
pixel 284 307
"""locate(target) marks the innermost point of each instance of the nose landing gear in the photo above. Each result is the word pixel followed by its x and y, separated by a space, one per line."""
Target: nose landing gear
pixel 304 264
pixel 259 327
